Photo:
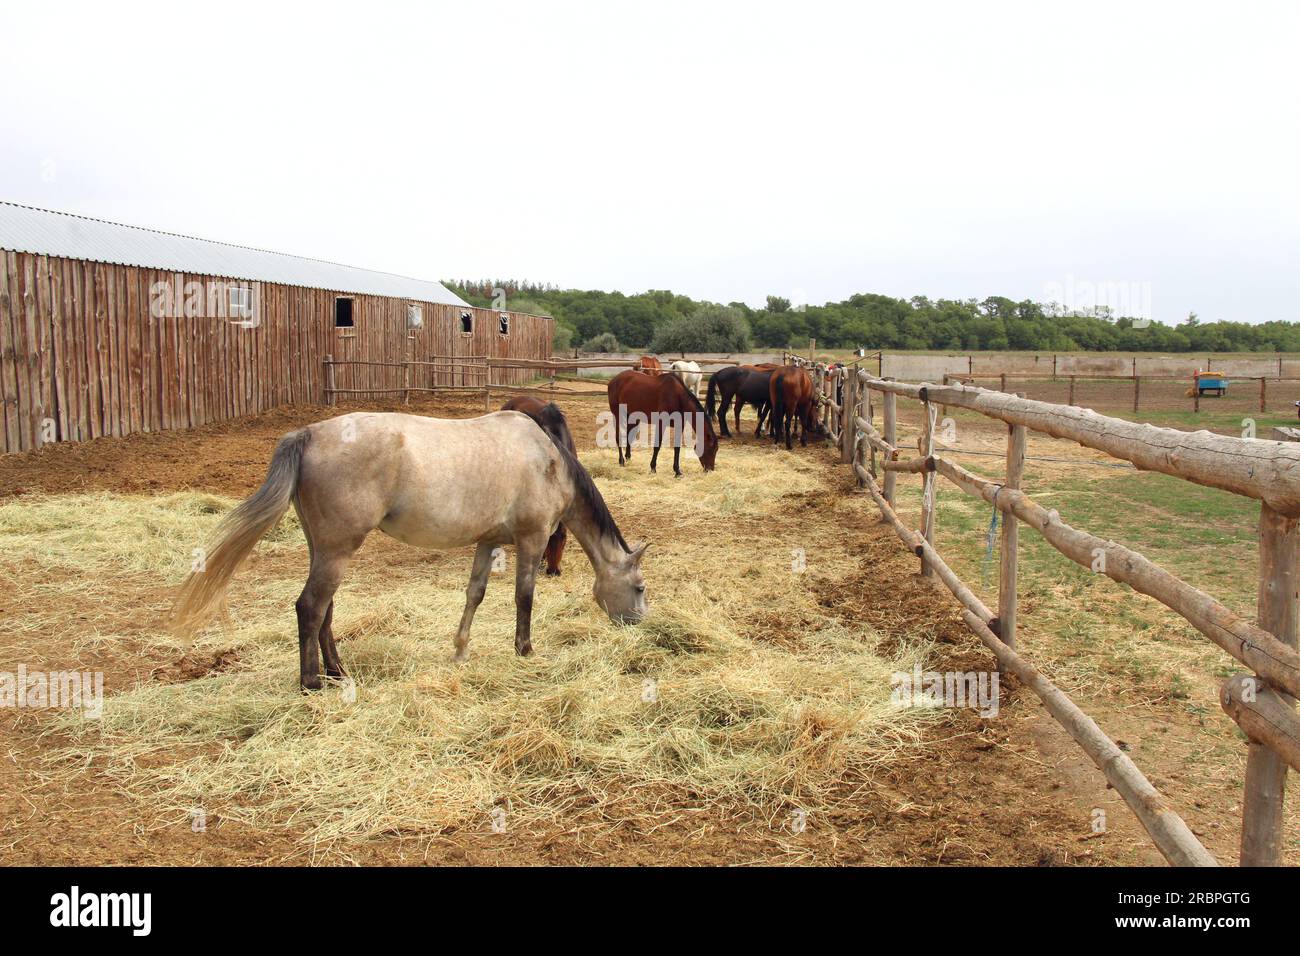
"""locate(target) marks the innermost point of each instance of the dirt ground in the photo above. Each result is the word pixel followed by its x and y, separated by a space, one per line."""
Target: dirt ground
pixel 1007 791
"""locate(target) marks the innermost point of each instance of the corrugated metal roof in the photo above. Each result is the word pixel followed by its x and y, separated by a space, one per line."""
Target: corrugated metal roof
pixel 40 231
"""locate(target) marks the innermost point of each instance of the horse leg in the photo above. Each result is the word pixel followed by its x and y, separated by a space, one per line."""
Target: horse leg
pixel 528 548
pixel 659 439
pixel 722 415
pixel 312 607
pixel 329 651
pixel 474 591
pixel 555 550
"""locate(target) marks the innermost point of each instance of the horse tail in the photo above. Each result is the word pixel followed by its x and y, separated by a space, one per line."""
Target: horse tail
pixel 712 397
pixel 238 532
pixel 776 399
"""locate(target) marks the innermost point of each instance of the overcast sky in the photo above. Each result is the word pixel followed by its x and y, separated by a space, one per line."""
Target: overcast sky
pixel 727 152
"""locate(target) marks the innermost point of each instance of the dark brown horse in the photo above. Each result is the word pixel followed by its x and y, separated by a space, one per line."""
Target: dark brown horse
pixel 790 392
pixel 746 385
pixel 659 401
pixel 546 414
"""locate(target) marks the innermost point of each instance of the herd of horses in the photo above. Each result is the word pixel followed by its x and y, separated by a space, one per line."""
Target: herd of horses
pixel 508 477
pixel 783 396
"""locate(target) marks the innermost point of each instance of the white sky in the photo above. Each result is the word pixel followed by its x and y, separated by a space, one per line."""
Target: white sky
pixel 725 152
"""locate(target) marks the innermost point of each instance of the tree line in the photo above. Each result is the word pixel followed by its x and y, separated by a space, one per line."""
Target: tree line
pixel 661 320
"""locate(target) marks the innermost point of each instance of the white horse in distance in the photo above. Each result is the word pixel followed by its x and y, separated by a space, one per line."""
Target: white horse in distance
pixel 689 373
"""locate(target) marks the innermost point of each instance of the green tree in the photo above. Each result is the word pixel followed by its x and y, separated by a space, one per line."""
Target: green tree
pixel 710 328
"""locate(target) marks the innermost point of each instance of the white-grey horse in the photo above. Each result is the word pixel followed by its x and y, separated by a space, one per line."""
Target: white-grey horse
pixel 689 373
pixel 430 482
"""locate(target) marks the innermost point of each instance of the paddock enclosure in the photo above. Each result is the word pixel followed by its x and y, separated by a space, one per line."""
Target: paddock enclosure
pixel 748 721
pixel 109 330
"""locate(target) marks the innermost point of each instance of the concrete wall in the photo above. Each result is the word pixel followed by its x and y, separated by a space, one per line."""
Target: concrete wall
pixel 923 368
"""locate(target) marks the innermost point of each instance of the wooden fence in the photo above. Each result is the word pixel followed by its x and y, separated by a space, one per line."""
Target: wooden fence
pixel 1245 394
pixel 473 373
pixel 1261 702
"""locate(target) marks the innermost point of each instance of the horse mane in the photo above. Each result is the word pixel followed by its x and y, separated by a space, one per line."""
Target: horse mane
pixel 695 399
pixel 553 422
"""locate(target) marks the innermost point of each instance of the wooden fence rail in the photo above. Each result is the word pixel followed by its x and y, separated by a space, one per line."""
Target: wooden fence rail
pixel 480 368
pixel 1183 386
pixel 1262 703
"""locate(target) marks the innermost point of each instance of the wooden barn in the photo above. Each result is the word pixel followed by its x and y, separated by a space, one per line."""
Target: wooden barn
pixel 107 329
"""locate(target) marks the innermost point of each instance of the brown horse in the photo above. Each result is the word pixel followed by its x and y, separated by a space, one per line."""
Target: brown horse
pixel 635 399
pixel 543 413
pixel 791 396
pixel 650 365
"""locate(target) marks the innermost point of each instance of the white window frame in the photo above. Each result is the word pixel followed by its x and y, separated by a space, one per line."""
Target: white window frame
pixel 240 302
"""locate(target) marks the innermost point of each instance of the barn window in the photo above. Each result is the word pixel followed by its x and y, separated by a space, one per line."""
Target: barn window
pixel 241 303
pixel 467 323
pixel 504 321
pixel 343 313
pixel 414 316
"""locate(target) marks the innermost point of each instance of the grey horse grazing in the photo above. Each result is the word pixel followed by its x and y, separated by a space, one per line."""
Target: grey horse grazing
pixel 430 482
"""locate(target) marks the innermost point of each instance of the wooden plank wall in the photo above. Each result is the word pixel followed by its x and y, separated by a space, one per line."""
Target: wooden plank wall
pixel 82 354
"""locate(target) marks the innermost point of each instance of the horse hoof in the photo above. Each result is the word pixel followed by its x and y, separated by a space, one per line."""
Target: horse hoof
pixel 524 651
pixel 552 574
pixel 310 683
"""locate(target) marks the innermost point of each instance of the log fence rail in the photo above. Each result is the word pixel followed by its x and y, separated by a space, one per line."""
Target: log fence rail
pixel 1261 702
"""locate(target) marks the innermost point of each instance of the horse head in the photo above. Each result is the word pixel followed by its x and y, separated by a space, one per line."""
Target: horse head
pixel 620 587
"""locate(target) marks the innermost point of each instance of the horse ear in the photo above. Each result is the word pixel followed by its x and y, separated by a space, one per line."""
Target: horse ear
pixel 638 552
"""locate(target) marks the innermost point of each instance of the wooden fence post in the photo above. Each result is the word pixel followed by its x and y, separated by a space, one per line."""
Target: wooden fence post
pixel 329 379
pixel 862 409
pixel 1137 392
pixel 1071 402
pixel 925 445
pixel 1262 394
pixel 848 409
pixel 1016 435
pixel 891 436
pixel 1261 815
